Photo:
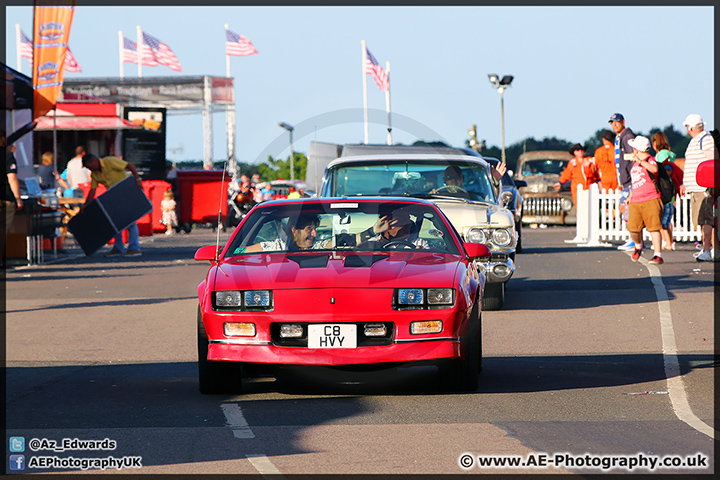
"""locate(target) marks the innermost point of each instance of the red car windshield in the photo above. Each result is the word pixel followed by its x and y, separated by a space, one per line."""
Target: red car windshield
pixel 343 226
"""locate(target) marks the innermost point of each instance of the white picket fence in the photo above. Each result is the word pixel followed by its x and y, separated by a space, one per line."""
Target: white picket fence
pixel 602 220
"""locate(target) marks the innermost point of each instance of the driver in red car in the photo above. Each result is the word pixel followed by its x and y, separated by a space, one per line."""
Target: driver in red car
pixel 392 226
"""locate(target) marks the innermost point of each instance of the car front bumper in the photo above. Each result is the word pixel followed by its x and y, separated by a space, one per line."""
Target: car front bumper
pixel 266 353
pixel 498 269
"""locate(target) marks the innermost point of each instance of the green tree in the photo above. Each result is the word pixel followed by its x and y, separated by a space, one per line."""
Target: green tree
pixel 276 168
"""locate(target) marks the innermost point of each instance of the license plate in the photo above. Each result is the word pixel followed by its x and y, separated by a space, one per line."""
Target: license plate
pixel 332 336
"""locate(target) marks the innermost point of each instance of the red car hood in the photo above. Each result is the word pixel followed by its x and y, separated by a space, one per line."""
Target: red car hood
pixel 339 269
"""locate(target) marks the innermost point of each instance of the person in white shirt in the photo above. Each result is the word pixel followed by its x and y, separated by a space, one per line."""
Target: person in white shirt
pixel 702 147
pixel 77 174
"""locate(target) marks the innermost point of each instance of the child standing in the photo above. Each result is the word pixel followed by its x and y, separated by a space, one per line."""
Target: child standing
pixel 169 218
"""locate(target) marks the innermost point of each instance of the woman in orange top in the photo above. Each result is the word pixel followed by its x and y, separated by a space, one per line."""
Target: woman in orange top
pixel 581 170
pixel 605 161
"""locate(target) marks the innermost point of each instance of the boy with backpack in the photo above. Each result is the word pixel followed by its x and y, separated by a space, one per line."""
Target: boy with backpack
pixel 645 204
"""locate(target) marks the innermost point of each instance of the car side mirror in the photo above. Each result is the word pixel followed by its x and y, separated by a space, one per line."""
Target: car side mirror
pixel 208 253
pixel 705 174
pixel 506 198
pixel 475 250
pixel 520 183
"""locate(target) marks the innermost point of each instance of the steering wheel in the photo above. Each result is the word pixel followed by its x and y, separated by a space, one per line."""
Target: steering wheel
pixel 450 189
pixel 395 244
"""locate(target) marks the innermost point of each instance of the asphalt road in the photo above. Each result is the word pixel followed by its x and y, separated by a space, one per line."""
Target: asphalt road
pixel 102 348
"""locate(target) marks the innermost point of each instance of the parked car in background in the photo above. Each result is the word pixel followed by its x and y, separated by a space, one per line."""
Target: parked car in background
pixel 515 204
pixel 542 204
pixel 474 209
pixel 302 282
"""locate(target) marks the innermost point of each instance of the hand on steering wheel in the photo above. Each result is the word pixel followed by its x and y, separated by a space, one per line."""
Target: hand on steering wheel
pixel 396 244
pixel 449 189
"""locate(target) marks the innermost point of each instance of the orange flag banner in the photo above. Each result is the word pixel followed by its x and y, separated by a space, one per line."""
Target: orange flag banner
pixel 51 33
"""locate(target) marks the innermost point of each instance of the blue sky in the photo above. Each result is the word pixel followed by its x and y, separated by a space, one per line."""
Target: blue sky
pixel 573 68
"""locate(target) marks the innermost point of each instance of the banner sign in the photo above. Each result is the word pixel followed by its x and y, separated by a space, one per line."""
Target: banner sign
pixel 165 91
pixel 50 38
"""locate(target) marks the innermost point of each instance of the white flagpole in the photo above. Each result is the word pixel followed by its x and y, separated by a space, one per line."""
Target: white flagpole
pixel 19 57
pixel 364 60
pixel 139 50
pixel 387 103
pixel 227 57
pixel 122 66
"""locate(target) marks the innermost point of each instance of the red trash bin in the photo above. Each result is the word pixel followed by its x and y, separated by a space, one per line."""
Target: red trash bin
pixel 158 194
pixel 202 194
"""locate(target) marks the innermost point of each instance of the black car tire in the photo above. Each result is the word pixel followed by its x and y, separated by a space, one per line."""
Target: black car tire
pixel 494 297
pixel 462 374
pixel 215 377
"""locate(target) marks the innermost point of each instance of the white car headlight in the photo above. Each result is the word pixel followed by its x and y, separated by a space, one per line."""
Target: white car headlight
pixel 228 299
pixel 502 237
pixel 566 204
pixel 440 296
pixel 476 235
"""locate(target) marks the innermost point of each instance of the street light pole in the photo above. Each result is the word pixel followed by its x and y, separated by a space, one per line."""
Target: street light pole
pixel 290 129
pixel 501 85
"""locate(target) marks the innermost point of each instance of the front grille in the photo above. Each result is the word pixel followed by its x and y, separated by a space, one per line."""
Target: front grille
pixel 362 340
pixel 542 206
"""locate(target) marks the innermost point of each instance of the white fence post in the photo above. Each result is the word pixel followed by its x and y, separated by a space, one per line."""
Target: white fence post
pixel 594 217
pixel 582 214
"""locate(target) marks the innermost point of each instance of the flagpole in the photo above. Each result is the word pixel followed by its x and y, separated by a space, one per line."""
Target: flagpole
pixel 387 103
pixel 364 60
pixel 122 66
pixel 139 50
pixel 17 47
pixel 227 57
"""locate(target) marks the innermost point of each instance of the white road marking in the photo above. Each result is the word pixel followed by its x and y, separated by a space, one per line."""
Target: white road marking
pixel 263 465
pixel 236 420
pixel 676 387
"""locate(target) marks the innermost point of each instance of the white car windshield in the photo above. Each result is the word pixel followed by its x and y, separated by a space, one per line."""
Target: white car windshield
pixel 414 179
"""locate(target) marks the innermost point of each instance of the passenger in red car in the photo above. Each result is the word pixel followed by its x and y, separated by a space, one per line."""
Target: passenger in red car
pixel 299 235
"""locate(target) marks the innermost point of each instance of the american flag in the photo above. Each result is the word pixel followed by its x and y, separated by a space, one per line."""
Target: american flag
pixel 130 55
pixel 237 45
pixel 163 54
pixel 71 64
pixel 26 50
pixel 26 47
pixel 373 68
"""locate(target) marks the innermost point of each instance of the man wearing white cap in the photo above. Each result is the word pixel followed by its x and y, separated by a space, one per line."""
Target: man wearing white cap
pixel 702 147
pixel 644 202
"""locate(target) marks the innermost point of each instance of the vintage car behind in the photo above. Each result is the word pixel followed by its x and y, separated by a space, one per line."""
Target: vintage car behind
pixel 348 299
pixel 542 204
pixel 474 209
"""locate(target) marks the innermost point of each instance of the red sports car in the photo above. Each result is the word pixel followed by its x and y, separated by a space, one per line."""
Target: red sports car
pixel 341 282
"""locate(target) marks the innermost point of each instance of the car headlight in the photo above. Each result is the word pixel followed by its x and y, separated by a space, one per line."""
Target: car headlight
pixel 501 237
pixel 410 296
pixel 476 235
pixel 228 299
pixel 440 296
pixel 423 298
pixel 242 300
pixel 257 298
pixel 566 204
